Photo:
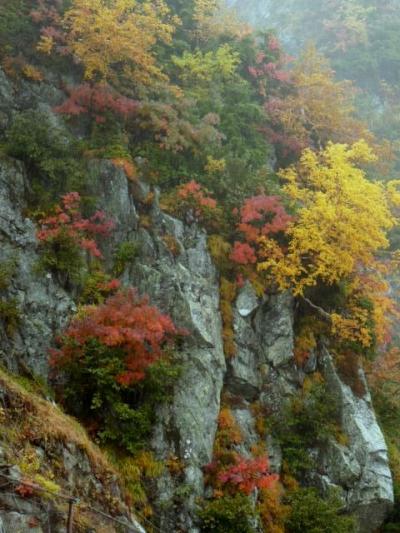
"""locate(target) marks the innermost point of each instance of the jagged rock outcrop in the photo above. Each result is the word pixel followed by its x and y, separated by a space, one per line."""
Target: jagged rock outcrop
pixel 361 468
pixel 183 282
pixel 43 307
pixel 264 370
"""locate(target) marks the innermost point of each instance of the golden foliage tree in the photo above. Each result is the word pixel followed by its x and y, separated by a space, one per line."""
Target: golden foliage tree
pixel 116 39
pixel 341 222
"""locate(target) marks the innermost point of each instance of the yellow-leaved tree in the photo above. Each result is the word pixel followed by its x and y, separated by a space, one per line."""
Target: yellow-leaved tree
pixel 115 39
pixel 342 218
pixel 341 224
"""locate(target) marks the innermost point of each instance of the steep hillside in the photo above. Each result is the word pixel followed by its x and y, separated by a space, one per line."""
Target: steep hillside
pixel 195 267
pixel 48 461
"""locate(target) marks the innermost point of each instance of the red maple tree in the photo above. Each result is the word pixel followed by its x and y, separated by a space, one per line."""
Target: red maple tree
pixel 125 322
pixel 244 475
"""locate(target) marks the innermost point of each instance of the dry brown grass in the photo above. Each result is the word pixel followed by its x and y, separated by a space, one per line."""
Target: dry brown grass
pixel 48 423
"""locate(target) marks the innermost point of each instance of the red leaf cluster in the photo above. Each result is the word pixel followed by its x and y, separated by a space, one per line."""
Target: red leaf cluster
pixel 127 322
pixel 270 70
pixel 193 191
pixel 260 216
pixel 68 220
pixel 25 490
pixel 245 475
pixel 243 254
pixel 97 100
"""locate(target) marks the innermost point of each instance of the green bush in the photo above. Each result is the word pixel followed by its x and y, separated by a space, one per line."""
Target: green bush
pixel 307 422
pixel 230 514
pixel 16 28
pixel 120 415
pixel 7 270
pixel 393 520
pixel 53 159
pixel 9 311
pixel 312 514
pixel 63 257
pixel 97 286
pixel 125 254
pixel 9 315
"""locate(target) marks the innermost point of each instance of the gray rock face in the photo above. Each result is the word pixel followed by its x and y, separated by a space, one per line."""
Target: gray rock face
pixel 184 283
pixel 362 467
pixel 264 370
pixel 111 189
pixel 187 287
pixel 247 300
pixel 43 306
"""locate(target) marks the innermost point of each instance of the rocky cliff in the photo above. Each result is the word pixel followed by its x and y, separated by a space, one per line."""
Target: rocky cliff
pixel 183 282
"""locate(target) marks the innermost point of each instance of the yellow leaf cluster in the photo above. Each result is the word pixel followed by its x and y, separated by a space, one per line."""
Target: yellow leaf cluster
pixel 117 38
pixel 45 45
pixel 353 328
pixel 342 218
pixel 215 166
pixel 305 342
pixel 32 73
pixel 393 193
pixel 273 511
pixel 228 292
pixel 383 311
pixel 220 251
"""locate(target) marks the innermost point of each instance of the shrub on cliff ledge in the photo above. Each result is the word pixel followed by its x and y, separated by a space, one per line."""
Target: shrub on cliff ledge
pixel 65 233
pixel 53 158
pixel 230 514
pixel 115 360
pixel 309 512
